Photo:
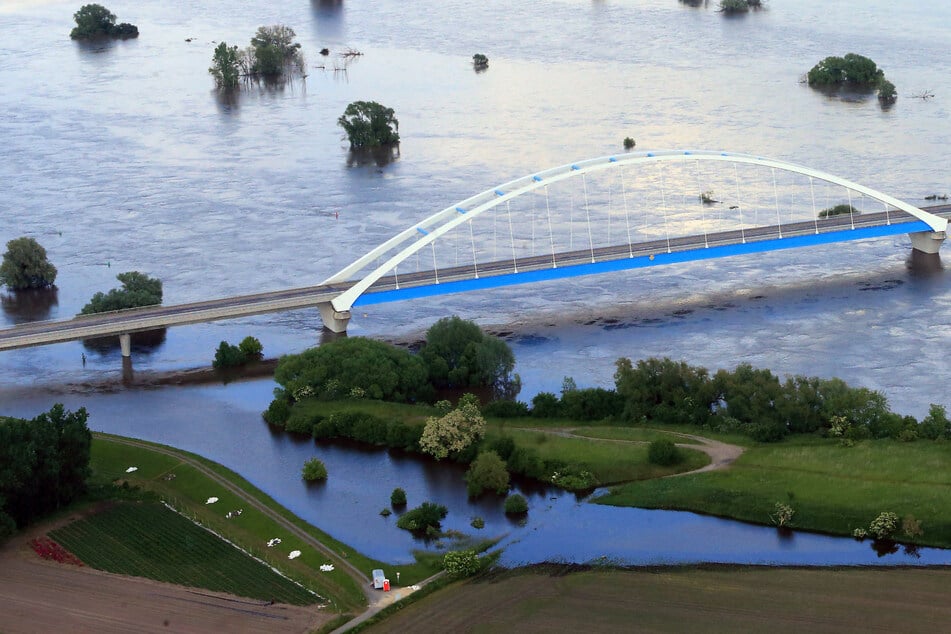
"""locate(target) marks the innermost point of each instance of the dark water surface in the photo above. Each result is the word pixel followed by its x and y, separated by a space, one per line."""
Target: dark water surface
pixel 120 156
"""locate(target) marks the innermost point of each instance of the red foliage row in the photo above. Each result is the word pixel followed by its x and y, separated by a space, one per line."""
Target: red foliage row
pixel 48 549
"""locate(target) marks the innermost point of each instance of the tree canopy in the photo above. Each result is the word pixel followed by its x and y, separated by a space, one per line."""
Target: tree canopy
pixel 369 124
pixel 44 464
pixel 381 370
pixel 138 289
pixel 274 51
pixel 851 70
pixel 226 66
pixel 25 265
pixel 454 432
pixel 94 20
pixel 458 354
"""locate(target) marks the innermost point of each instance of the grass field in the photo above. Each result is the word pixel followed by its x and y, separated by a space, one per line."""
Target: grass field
pixel 833 488
pixel 188 489
pixel 638 434
pixel 608 461
pixel 146 539
pixel 546 599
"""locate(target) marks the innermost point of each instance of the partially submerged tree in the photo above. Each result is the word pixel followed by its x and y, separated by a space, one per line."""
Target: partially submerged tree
pixel 851 70
pixel 369 124
pixel 454 432
pixel 480 61
pixel 25 265
pixel 226 66
pixel 459 354
pixel 94 21
pixel 138 289
pixel 275 52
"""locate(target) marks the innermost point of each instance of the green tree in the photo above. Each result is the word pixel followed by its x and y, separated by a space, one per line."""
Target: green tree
pixel 936 424
pixel 459 354
pixel 887 94
pixel 398 497
pixel 487 473
pixel 137 290
pixel 251 349
pixel 369 124
pixel 663 452
pixel 664 390
pixel 453 433
pixel 382 370
pixel 94 20
pixel 516 504
pixel 480 61
pixel 226 66
pixel 853 70
pixel 25 265
pixel 227 356
pixel 275 51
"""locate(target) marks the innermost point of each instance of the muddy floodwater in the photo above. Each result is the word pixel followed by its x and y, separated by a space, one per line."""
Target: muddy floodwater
pixel 121 156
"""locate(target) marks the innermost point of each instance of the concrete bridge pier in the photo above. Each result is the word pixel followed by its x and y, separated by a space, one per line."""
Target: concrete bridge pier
pixel 927 241
pixel 334 320
pixel 125 343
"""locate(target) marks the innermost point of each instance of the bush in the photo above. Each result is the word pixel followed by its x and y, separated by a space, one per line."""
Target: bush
pixel 369 124
pixel 301 422
pixel 664 453
pixel 453 433
pixel 227 356
pixel 25 265
pixel 504 446
pixel 852 70
pixel 487 473
pixel 546 405
pixel 506 409
pixel 884 526
pixel 516 504
pixel 573 478
pixel 887 94
pixel 314 470
pixel 480 61
pixel 274 52
pixel 251 348
pixel 277 413
pixel 425 518
pixel 461 563
pixel 477 523
pixel 839 210
pixel 398 497
pixel 782 514
pixel 629 143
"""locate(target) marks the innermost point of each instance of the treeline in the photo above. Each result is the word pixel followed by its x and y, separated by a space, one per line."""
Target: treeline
pixel 44 463
pixel 456 354
pixel 745 400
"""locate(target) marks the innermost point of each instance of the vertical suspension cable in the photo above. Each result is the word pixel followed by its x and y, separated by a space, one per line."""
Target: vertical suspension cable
pixel 703 212
pixel 508 205
pixel 495 234
pixel 551 232
pixel 815 215
pixel 396 275
pixel 779 221
pixel 851 217
pixel 475 263
pixel 739 203
pixel 584 183
pixel 435 268
pixel 888 220
pixel 627 217
pixel 663 195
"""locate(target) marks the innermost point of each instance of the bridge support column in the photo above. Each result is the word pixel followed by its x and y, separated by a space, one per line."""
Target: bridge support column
pixel 927 241
pixel 125 343
pixel 334 320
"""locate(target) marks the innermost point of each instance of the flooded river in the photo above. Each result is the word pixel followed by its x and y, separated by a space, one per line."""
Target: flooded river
pixel 121 156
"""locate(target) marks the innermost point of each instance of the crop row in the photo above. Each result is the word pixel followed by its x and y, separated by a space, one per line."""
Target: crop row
pixel 148 540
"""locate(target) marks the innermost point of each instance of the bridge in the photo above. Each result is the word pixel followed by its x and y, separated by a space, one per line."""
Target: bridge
pixel 633 211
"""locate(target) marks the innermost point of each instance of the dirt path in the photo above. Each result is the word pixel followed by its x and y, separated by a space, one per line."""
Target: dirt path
pixel 722 454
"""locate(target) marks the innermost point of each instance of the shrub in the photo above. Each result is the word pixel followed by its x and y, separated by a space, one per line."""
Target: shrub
pixel 884 526
pixel 663 452
pixel 273 51
pixel 886 92
pixel 782 514
pixel 277 412
pixel 516 504
pixel 398 497
pixel 424 518
pixel 385 512
pixel 461 563
pixel 480 61
pixel 301 422
pixel 227 356
pixel 477 523
pixel 251 348
pixel 853 69
pixel 911 527
pixel 629 143
pixel 504 446
pixel 314 470
pixel 25 265
pixel 838 210
pixel 573 478
pixel 506 409
pixel 487 473
pixel 546 405
pixel 455 432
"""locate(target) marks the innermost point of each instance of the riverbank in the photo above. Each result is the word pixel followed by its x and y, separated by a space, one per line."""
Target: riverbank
pixel 831 487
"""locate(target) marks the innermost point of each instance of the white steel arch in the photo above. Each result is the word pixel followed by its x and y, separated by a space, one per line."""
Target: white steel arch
pixel 451 217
